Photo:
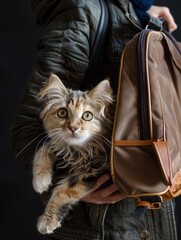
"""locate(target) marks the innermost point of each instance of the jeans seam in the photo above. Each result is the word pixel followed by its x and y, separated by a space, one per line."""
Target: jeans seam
pixel 172 225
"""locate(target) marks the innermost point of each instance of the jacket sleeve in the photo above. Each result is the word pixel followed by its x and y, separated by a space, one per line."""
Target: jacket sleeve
pixel 68 31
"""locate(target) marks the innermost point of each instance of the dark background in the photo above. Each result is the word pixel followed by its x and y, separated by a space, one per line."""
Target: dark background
pixel 19 204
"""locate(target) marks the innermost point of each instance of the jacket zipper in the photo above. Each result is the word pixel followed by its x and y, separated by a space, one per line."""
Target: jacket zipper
pixel 129 17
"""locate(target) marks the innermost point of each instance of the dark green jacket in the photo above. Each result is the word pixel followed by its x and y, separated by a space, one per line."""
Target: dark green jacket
pixel 68 32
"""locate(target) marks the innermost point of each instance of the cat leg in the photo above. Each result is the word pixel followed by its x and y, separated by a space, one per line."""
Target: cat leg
pixel 61 201
pixel 42 169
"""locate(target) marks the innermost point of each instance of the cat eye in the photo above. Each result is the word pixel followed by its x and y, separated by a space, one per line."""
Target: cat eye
pixel 62 113
pixel 87 116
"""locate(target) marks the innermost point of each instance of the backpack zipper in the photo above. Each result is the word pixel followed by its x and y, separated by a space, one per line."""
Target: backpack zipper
pixel 143 88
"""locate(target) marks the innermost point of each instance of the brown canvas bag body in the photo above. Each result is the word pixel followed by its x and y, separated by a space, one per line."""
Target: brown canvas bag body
pixel 146 140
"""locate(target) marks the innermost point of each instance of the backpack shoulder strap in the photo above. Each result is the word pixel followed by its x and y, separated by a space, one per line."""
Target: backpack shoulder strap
pixel 93 73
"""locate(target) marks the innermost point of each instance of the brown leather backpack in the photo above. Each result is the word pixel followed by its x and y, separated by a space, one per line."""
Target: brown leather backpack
pixel 146 140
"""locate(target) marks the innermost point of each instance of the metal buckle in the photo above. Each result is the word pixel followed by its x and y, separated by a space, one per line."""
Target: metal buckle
pixel 150 202
pixel 156 205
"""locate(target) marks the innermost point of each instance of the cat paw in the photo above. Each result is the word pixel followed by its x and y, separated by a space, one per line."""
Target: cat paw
pixel 42 181
pixel 47 224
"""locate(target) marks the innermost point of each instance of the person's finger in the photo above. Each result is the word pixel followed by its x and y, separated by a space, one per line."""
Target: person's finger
pixel 96 194
pixel 93 195
pixel 110 199
pixel 109 194
pixel 101 180
pixel 163 13
pixel 166 14
pixel 105 192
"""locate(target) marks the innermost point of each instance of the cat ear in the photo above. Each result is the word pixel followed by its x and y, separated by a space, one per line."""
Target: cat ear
pixel 102 92
pixel 101 96
pixel 53 88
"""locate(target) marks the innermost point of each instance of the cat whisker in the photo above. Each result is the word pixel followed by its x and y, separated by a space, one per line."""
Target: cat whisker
pixel 104 139
pixel 45 141
pixel 27 145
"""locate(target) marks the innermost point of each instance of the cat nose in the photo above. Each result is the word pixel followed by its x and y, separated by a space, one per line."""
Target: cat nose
pixel 72 128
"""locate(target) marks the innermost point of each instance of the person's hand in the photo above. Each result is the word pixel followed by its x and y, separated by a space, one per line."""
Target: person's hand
pixel 163 13
pixel 106 195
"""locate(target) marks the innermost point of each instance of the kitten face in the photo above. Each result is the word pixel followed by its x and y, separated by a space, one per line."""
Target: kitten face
pixel 73 117
pixel 73 121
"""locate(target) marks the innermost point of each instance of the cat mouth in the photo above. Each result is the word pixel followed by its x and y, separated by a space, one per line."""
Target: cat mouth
pixel 74 135
pixel 76 138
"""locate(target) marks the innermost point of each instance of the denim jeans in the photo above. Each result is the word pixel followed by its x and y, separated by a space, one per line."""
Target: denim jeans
pixel 118 222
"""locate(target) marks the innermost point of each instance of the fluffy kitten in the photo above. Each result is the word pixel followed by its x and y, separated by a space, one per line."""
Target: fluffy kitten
pixel 77 125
